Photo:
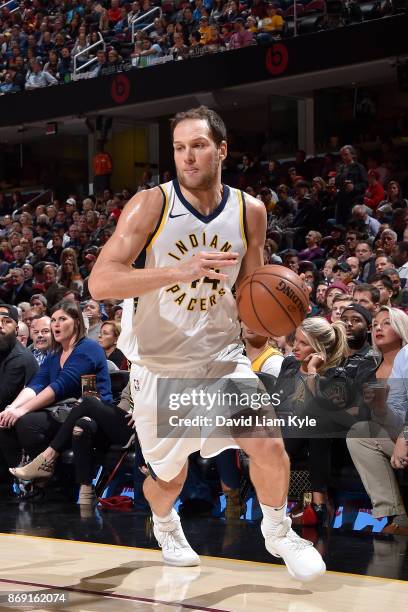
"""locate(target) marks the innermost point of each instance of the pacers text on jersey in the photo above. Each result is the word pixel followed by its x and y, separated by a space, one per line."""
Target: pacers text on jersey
pixel 190 298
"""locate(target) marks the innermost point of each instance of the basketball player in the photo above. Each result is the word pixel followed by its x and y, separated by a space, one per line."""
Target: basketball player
pixel 193 228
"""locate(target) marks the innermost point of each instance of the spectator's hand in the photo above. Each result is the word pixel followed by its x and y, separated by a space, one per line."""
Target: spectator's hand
pixel 348 186
pixel 399 459
pixel 314 361
pixel 368 394
pixel 10 416
pixel 336 398
pixel 130 419
pixel 341 249
pixel 376 398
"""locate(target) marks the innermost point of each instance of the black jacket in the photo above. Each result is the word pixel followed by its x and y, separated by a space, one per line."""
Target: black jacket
pixel 12 296
pixel 336 391
pixel 16 369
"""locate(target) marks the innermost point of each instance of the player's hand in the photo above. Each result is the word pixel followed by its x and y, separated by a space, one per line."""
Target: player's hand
pixel 399 459
pixel 205 264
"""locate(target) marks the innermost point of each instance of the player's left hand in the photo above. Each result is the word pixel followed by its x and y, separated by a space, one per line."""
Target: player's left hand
pixel 399 459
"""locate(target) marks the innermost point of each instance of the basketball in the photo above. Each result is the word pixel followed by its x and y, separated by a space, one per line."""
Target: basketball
pixel 272 301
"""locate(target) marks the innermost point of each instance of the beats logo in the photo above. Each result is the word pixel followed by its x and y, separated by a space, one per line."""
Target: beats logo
pixel 277 59
pixel 120 89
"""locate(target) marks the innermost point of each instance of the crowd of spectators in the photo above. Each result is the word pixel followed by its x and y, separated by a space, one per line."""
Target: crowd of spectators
pixel 340 222
pixel 39 40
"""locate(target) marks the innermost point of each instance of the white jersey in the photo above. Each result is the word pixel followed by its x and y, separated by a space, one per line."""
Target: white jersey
pixel 187 323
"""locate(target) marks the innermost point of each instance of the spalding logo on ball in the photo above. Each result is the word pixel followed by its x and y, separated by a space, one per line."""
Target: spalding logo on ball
pixel 272 301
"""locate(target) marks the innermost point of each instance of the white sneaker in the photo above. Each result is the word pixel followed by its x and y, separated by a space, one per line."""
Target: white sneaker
pixel 175 548
pixel 302 560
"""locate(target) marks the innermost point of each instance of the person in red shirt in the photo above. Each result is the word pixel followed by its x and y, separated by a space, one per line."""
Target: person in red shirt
pixel 114 13
pixel 375 191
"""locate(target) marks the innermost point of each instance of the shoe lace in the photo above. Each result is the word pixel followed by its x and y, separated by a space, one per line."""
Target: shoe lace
pixel 173 540
pixel 296 543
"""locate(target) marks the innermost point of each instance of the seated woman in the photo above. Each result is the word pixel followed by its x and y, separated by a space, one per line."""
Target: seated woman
pixel 27 423
pixel 68 273
pixel 91 424
pixel 318 349
pixel 108 339
pixel 372 444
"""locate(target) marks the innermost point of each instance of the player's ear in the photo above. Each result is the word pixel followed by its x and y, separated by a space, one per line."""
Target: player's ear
pixel 223 149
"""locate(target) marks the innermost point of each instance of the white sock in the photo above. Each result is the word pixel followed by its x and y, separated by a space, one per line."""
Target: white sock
pixel 272 517
pixel 172 516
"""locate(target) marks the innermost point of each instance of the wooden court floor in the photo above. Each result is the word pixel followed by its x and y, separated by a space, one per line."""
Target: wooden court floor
pixel 86 576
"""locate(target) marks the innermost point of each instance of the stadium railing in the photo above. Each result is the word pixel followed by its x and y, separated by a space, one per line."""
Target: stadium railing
pixel 92 60
pixel 142 19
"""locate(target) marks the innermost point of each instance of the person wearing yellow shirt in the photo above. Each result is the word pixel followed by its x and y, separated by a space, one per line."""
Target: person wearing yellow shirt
pixel 271 25
pixel 263 356
pixel 205 30
pixel 269 198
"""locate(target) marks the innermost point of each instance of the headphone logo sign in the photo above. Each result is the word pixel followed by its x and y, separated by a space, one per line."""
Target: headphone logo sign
pixel 277 59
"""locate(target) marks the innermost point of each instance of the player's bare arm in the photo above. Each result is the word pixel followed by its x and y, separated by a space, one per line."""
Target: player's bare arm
pixel 113 275
pixel 256 235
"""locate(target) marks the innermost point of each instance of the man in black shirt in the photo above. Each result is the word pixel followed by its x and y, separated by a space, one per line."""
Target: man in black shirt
pixel 17 367
pixel 17 364
pixel 360 366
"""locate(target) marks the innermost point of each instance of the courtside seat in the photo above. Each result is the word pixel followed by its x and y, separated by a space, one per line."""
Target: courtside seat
pixel 119 380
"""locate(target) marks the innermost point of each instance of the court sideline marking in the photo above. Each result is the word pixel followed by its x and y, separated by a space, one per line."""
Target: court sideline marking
pixel 154 550
pixel 110 595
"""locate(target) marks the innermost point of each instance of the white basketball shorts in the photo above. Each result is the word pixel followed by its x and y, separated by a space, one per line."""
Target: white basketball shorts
pixel 166 456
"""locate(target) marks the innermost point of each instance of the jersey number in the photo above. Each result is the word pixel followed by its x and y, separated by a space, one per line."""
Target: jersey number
pixel 212 281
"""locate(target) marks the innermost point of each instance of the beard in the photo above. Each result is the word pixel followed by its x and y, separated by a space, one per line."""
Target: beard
pixel 201 182
pixel 357 340
pixel 7 342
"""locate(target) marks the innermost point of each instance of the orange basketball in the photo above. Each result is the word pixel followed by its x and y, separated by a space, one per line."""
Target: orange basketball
pixel 272 301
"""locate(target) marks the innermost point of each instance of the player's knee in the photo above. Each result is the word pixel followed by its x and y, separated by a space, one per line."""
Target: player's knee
pixel 268 450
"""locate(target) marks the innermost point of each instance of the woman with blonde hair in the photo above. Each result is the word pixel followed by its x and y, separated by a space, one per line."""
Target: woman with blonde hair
pixel 319 349
pixel 389 335
pixel 372 443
